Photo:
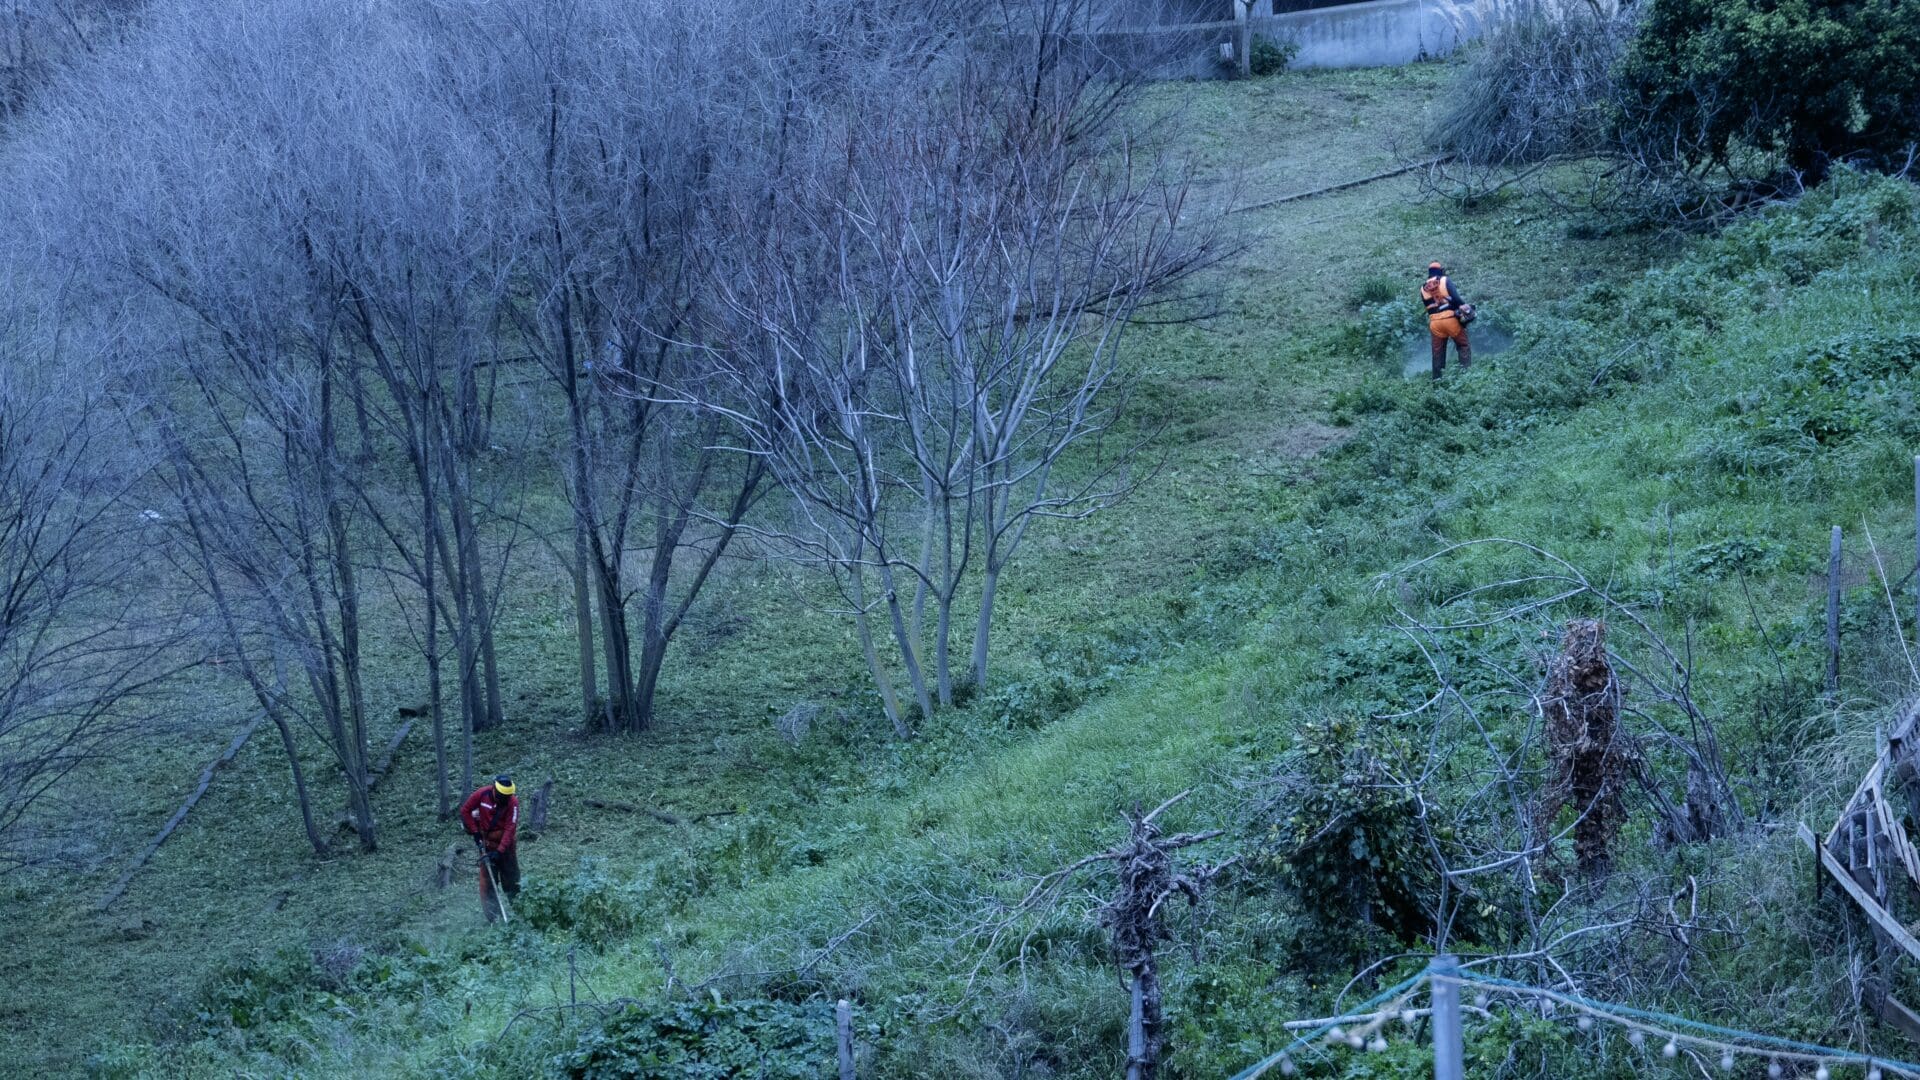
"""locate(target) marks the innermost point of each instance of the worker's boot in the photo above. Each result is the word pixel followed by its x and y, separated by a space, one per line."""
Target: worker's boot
pixel 1439 356
pixel 1466 351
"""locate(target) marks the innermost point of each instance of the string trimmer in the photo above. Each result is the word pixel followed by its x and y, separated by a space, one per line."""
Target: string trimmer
pixel 499 894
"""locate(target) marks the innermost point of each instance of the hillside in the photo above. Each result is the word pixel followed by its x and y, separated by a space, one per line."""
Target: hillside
pixel 1645 427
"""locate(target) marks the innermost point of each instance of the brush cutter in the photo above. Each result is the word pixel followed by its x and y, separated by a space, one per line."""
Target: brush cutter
pixel 499 894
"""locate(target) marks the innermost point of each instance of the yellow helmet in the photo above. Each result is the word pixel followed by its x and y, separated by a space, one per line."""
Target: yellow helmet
pixel 503 784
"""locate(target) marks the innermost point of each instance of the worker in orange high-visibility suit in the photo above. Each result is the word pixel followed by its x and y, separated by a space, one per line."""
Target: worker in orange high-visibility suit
pixel 1443 318
pixel 491 816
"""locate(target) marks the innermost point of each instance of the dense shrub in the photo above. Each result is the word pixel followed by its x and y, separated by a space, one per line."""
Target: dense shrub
pixel 1814 81
pixel 590 905
pixel 1344 836
pixel 1535 89
pixel 708 1038
pixel 1270 56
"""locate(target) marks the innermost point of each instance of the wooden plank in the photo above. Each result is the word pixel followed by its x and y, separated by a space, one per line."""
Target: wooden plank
pixel 1873 910
pixel 1866 783
pixel 1896 1015
pixel 1897 837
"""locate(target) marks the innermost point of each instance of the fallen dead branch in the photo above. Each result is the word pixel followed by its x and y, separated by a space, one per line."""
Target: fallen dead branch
pixel 665 817
pixel 180 815
pixel 1345 184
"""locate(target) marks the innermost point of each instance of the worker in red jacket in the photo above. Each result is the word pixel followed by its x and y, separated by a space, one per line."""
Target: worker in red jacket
pixel 491 816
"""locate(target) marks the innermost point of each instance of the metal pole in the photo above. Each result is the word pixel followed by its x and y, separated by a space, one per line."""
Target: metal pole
pixel 1833 614
pixel 1243 36
pixel 1449 1051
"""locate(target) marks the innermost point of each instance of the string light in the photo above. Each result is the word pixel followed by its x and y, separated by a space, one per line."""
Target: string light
pixel 1364 1031
pixel 1729 1042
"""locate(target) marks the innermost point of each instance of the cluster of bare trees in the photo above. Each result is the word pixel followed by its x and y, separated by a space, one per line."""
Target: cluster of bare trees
pixel 80 655
pixel 40 37
pixel 841 281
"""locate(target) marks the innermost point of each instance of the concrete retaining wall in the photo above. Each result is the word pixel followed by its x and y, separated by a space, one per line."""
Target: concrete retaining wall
pixel 1377 33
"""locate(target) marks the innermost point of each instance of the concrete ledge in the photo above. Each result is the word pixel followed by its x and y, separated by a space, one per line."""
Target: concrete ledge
pixel 1377 33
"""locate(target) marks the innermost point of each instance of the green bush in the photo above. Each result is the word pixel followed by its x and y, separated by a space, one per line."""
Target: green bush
pixel 1346 841
pixel 590 905
pixel 1270 56
pixel 1814 81
pixel 253 993
pixel 708 1038
pixel 1379 289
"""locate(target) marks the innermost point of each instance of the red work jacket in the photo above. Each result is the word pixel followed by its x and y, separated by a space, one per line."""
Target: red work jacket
pixel 492 817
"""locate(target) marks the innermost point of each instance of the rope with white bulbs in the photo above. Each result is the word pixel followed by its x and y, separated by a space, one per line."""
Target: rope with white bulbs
pixel 1676 1034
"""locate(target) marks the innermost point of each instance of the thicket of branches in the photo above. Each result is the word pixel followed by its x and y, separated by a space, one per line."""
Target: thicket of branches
pixel 380 276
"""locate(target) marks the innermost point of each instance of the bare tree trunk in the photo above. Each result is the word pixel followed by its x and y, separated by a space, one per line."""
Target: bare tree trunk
pixel 583 622
pixel 299 781
pixel 653 654
pixel 358 782
pixel 908 653
pixel 429 523
pixel 983 630
pixel 942 639
pixel 926 560
pixel 615 642
pixel 864 629
pixel 1139 1065
pixel 1243 37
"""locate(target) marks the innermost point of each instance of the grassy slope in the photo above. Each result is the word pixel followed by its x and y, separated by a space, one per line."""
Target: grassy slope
pixel 1197 617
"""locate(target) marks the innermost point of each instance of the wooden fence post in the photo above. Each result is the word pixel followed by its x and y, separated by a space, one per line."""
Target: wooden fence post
pixel 1449 1051
pixel 843 1027
pixel 1833 613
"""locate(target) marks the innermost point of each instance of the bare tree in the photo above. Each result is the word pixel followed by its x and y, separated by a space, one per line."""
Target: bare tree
pixel 619 159
pixel 81 655
pixel 944 327
pixel 1148 875
pixel 244 375
pixel 38 38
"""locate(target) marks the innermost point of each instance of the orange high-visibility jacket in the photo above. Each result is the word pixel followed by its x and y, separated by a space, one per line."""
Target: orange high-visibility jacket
pixel 1439 295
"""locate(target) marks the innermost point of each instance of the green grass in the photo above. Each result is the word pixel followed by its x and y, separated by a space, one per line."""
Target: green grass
pixel 1643 428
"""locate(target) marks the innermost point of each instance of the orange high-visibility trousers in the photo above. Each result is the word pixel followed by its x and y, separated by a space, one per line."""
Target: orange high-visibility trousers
pixel 1446 326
